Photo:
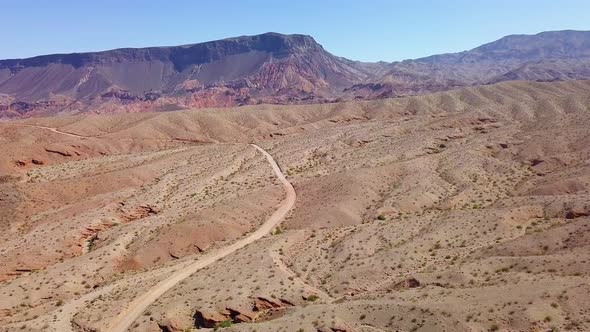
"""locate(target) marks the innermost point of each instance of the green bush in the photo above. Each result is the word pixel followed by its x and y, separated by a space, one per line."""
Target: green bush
pixel 225 323
pixel 312 298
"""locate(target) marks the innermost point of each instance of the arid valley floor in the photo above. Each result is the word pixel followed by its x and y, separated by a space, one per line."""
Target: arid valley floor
pixel 466 210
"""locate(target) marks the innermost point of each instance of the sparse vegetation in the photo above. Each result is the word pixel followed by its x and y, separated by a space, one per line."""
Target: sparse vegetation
pixel 466 223
pixel 226 323
pixel 312 298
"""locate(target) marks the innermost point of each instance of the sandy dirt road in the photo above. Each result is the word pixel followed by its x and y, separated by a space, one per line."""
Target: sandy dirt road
pixel 122 322
pixel 55 130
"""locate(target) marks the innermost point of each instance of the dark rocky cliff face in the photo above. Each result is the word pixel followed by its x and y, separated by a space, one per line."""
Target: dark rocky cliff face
pixel 268 68
pixel 262 64
pixel 180 56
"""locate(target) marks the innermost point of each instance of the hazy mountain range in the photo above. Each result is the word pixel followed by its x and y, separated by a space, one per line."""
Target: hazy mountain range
pixel 269 68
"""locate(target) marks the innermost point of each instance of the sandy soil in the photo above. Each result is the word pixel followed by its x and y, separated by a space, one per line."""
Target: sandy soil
pixel 139 305
pixel 466 210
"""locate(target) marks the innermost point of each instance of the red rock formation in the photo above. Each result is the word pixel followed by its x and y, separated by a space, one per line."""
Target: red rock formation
pixel 208 319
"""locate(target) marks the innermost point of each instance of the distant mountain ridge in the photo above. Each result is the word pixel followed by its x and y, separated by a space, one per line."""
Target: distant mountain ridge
pixel 547 56
pixel 550 44
pixel 268 68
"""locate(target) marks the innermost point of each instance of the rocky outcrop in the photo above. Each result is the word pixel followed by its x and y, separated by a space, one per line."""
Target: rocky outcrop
pixel 173 323
pixel 262 309
pixel 577 212
pixel 208 319
pixel 261 303
pixel 62 150
pixel 139 212
pixel 241 315
pixel 406 284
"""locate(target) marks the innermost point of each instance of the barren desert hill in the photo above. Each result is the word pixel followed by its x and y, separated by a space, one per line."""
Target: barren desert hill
pixel 463 210
pixel 443 191
pixel 247 123
pixel 268 68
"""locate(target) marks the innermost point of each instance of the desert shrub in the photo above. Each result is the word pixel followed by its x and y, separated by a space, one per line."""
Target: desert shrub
pixel 312 298
pixel 225 323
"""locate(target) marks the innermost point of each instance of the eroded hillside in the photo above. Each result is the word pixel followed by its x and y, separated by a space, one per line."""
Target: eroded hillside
pixel 465 210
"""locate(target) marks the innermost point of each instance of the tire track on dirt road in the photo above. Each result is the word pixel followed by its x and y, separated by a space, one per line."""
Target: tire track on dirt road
pixel 126 318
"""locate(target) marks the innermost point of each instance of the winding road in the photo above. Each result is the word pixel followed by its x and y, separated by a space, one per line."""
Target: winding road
pixel 62 320
pixel 55 130
pixel 122 322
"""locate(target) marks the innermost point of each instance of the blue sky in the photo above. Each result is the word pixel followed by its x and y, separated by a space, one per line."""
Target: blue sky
pixel 359 30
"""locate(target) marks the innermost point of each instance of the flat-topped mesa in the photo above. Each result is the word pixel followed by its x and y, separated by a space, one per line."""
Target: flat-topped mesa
pixel 181 56
pixel 270 68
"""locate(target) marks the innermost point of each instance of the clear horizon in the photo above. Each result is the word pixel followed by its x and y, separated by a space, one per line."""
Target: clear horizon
pixel 383 31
